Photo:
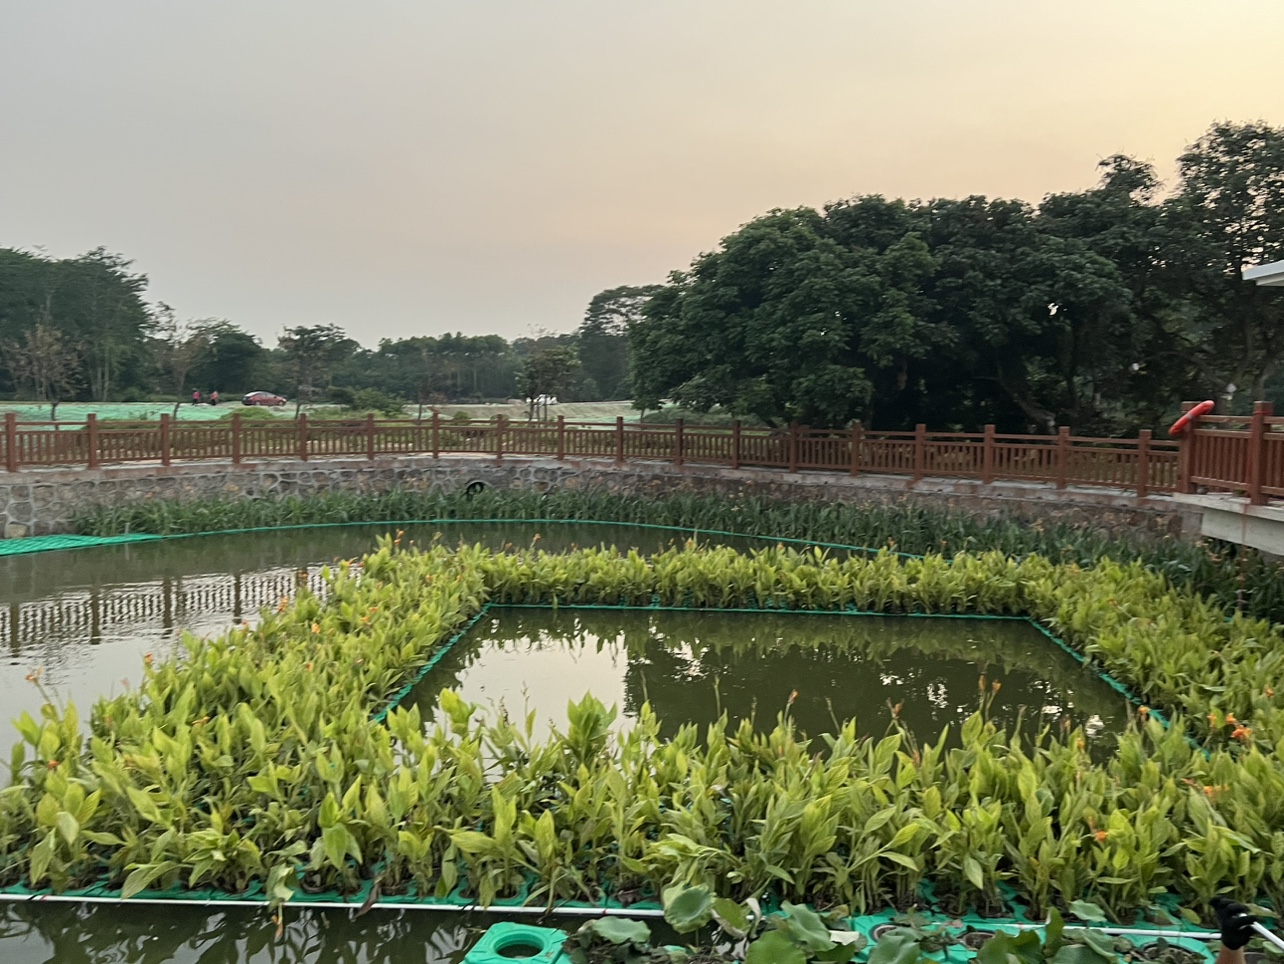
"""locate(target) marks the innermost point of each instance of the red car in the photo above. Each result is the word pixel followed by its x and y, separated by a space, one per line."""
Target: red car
pixel 262 398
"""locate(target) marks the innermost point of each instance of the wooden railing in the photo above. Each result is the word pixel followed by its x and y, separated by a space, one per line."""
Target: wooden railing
pixel 1239 454
pixel 1143 465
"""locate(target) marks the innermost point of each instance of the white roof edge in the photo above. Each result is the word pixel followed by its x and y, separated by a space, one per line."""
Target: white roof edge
pixel 1265 274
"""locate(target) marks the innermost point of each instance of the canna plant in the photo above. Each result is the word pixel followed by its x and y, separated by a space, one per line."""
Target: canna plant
pixel 256 761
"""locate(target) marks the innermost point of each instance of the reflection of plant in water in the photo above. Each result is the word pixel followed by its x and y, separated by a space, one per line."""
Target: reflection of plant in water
pixel 141 936
pixel 692 666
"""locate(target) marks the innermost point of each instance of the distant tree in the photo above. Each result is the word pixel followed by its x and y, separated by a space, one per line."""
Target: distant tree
pixel 94 300
pixel 546 373
pixel 783 323
pixel 179 344
pixel 231 360
pixel 1228 212
pixel 311 351
pixel 603 338
pixel 45 360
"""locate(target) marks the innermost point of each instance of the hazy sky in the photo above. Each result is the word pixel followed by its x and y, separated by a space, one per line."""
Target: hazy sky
pixel 403 167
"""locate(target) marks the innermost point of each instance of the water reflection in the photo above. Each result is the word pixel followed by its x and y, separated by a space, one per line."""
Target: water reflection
pixel 70 934
pixel 86 617
pixel 822 669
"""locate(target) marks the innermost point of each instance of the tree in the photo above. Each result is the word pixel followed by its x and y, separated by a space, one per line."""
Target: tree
pixel 232 360
pixel 46 361
pixel 784 323
pixel 178 346
pixel 546 373
pixel 310 352
pixel 1227 213
pixel 94 300
pixel 603 339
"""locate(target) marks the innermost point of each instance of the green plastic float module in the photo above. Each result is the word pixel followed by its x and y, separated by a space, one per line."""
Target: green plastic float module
pixel 506 943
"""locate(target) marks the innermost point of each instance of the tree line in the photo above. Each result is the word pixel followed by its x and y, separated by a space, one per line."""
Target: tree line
pixel 81 329
pixel 1100 309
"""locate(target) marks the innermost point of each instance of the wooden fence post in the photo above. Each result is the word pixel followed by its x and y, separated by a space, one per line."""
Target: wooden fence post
pixel 735 444
pixel 165 442
pixel 237 443
pixel 436 435
pixel 370 436
pixel 920 451
pixel 561 437
pixel 793 446
pixel 678 438
pixel 619 440
pixel 1257 452
pixel 303 436
pixel 11 441
pixel 1143 463
pixel 91 438
pixel 987 456
pixel 499 437
pixel 858 434
pixel 1063 455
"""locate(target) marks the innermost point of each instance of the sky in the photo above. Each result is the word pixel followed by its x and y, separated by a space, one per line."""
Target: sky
pixel 412 167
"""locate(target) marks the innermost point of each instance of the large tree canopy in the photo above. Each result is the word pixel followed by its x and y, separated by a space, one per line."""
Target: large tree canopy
pixel 1101 309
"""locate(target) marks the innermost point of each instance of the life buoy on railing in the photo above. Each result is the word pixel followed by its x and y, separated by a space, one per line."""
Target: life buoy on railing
pixel 1189 418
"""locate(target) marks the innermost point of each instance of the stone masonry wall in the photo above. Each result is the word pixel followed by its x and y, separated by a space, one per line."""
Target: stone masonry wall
pixel 44 501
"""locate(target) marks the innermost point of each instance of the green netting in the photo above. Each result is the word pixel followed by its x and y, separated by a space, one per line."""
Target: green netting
pixel 47 543
pixel 19 547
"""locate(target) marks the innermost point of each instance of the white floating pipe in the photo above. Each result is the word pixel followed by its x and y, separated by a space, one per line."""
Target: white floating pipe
pixel 338 905
pixel 1267 935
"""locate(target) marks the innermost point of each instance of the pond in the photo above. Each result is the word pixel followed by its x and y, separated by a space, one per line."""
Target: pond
pixel 69 934
pixel 83 619
pixel 822 670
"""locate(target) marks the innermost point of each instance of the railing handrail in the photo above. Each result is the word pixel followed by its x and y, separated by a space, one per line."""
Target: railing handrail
pixel 1144 464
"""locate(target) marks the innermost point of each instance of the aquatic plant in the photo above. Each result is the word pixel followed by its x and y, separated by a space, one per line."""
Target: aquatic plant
pixel 252 764
pixel 1238 579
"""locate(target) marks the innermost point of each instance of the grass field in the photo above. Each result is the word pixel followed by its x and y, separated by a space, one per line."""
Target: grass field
pixel 148 411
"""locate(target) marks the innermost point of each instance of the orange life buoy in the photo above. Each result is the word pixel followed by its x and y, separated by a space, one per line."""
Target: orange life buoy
pixel 1188 418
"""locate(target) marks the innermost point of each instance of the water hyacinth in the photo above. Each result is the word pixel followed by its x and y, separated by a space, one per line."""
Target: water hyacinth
pixel 253 765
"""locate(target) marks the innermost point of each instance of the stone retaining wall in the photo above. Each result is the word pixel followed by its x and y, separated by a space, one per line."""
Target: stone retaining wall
pixel 44 501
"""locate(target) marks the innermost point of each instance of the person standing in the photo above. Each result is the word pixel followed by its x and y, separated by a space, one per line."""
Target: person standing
pixel 196 396
pixel 214 397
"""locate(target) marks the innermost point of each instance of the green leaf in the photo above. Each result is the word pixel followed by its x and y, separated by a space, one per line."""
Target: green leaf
pixel 775 947
pixel 896 947
pixel 732 917
pixel 1082 954
pixel 143 875
pixel 1101 943
pixel 335 841
pixel 688 908
pixel 68 826
pixel 905 860
pixel 1004 948
pixel 41 854
pixel 973 872
pixel 1086 910
pixel 1054 933
pixel 471 841
pixel 804 926
pixel 842 953
pixel 1190 915
pixel 619 930
pixel 145 806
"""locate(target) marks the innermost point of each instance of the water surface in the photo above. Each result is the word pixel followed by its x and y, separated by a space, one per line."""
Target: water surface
pixel 821 670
